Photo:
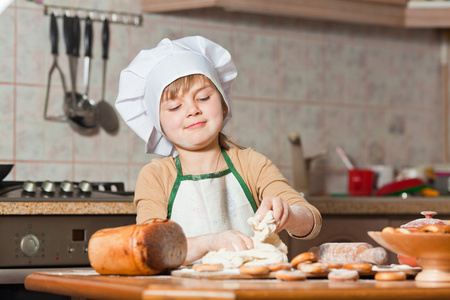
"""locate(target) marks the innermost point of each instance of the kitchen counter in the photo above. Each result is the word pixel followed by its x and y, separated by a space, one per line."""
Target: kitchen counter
pixel 67 208
pixel 327 205
pixel 85 284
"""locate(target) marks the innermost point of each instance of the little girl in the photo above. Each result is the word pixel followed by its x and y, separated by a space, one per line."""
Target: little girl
pixel 177 98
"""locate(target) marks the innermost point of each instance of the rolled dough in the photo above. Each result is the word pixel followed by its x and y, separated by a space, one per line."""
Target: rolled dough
pixel 268 247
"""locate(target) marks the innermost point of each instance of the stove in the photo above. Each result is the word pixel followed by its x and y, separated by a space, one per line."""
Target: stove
pixel 53 240
pixel 64 191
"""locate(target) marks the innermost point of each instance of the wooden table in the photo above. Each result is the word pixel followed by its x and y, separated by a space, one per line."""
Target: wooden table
pixel 82 284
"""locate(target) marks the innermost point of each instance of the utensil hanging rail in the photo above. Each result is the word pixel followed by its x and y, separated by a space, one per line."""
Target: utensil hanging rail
pixel 94 14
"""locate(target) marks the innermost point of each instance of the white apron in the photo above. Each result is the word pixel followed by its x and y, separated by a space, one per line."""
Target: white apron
pixel 210 203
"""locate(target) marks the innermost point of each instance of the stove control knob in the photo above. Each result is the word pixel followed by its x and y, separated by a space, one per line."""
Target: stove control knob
pixel 85 186
pixel 29 245
pixel 66 187
pixel 29 186
pixel 48 186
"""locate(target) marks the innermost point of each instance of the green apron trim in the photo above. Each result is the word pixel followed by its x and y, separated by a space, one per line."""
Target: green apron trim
pixel 175 188
pixel 241 181
pixel 206 176
pixel 231 169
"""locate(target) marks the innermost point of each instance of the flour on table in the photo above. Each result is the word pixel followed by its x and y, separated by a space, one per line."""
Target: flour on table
pixel 268 247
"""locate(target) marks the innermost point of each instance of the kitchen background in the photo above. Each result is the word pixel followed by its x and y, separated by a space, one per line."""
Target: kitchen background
pixel 375 91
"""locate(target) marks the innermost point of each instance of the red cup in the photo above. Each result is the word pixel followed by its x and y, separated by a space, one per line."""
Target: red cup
pixel 361 182
pixel 408 260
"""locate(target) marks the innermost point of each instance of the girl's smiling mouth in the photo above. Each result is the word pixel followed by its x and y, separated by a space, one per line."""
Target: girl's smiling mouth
pixel 196 125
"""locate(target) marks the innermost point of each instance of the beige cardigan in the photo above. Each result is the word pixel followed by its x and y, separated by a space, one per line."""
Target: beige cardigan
pixel 262 177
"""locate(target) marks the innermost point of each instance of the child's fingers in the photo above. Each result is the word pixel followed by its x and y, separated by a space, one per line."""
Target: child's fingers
pixel 266 205
pixel 241 242
pixel 278 209
pixel 248 241
pixel 261 212
pixel 284 219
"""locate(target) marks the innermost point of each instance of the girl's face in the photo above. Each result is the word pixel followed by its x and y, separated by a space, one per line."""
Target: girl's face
pixel 193 118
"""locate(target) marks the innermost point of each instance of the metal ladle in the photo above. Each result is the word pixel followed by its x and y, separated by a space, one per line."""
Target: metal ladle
pixel 87 106
pixel 80 116
pixel 105 113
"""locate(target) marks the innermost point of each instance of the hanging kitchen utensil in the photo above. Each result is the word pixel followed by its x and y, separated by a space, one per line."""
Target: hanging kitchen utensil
pixel 75 113
pixel 105 113
pixel 54 44
pixel 86 105
pixel 69 40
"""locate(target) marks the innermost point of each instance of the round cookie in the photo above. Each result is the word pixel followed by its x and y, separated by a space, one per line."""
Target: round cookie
pixel 332 265
pixel 358 266
pixel 390 276
pixel 304 257
pixel 388 230
pixel 254 270
pixel 343 275
pixel 279 266
pixel 208 267
pixel 431 228
pixel 402 230
pixel 313 268
pixel 290 275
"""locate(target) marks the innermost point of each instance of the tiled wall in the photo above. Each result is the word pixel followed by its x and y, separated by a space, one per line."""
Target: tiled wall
pixel 375 91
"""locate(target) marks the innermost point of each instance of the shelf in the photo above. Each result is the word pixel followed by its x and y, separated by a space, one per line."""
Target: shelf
pixel 394 13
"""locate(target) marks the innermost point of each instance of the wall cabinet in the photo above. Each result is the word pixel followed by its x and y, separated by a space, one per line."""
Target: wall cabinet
pixel 395 13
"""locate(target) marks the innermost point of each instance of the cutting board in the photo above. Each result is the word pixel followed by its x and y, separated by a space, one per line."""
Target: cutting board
pixel 235 274
pixel 219 275
pixel 188 272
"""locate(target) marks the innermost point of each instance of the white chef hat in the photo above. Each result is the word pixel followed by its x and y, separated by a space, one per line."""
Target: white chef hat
pixel 143 81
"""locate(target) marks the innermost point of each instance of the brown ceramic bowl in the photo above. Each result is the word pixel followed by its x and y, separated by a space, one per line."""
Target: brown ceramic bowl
pixel 431 249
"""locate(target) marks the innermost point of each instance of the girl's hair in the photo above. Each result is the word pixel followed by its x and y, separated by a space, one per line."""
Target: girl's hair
pixel 183 85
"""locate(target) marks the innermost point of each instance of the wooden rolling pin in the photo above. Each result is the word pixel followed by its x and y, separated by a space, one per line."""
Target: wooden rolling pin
pixel 350 253
pixel 145 249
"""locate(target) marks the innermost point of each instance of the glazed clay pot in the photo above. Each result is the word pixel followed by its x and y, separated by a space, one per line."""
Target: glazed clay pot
pixel 414 226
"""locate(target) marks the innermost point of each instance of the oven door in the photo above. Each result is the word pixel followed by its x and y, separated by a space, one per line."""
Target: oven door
pixel 50 241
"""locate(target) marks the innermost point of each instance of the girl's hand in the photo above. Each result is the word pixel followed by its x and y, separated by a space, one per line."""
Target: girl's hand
pixel 231 241
pixel 281 211
pixel 199 246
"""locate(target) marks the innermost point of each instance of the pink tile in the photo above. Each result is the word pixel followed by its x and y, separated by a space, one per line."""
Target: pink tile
pixel 7 49
pixel 33 51
pixel 258 127
pixel 58 139
pixel 30 140
pixel 302 69
pixel 256 59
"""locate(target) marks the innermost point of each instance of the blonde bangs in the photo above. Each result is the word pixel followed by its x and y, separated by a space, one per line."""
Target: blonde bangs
pixel 183 85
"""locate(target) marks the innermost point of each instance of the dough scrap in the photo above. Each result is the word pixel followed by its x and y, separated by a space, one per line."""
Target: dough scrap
pixel 268 247
pixel 265 231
